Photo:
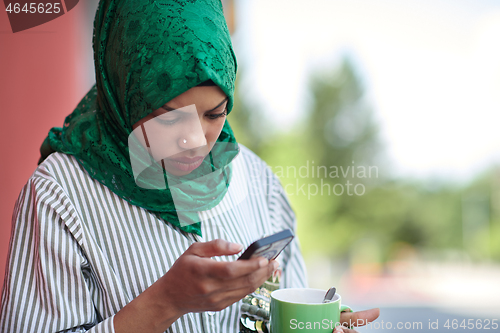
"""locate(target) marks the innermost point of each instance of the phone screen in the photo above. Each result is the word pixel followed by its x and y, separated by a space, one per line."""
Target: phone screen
pixel 269 247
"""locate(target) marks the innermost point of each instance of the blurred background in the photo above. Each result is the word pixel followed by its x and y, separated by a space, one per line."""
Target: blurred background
pixel 380 118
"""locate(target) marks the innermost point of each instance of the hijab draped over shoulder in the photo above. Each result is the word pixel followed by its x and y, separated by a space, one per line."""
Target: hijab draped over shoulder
pixel 147 52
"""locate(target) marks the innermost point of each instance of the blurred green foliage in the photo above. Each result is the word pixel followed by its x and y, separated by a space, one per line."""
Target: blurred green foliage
pixel 385 215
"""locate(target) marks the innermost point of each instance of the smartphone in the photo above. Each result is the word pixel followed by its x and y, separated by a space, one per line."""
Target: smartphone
pixel 268 247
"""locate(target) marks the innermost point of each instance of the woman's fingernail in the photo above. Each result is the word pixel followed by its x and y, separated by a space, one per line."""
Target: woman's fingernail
pixel 263 262
pixel 275 265
pixel 338 329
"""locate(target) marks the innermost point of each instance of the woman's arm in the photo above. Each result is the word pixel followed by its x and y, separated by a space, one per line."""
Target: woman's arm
pixel 48 287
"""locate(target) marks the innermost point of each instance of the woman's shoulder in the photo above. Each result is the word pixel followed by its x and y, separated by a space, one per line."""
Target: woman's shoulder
pixel 60 168
pixel 52 188
pixel 251 159
pixel 57 161
pixel 256 170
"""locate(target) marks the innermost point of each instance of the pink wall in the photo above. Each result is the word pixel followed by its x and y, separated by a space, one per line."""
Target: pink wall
pixel 40 83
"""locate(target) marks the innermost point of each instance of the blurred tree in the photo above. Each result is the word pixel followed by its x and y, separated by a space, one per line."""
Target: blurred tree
pixel 341 128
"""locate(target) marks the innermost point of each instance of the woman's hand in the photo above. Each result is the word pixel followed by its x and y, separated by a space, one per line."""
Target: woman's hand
pixel 359 318
pixel 197 283
pixel 203 284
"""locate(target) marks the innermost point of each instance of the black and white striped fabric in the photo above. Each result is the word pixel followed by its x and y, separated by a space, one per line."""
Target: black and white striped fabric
pixel 79 253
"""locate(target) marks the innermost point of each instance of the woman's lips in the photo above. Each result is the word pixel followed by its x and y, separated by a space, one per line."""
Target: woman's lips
pixel 185 163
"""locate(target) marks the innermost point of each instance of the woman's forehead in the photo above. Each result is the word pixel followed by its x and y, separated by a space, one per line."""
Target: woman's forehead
pixel 202 97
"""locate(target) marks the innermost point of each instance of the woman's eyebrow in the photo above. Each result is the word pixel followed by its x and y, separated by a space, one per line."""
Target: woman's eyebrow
pixel 168 108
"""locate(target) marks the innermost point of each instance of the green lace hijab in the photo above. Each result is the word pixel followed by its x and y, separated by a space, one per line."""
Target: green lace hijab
pixel 147 52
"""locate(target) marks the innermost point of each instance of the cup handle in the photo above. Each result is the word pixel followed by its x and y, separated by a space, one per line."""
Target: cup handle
pixel 345 308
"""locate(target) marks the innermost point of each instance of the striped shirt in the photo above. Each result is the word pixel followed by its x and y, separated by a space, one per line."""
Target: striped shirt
pixel 79 253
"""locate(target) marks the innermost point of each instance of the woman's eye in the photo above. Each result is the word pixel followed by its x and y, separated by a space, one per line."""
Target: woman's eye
pixel 169 117
pixel 166 121
pixel 216 115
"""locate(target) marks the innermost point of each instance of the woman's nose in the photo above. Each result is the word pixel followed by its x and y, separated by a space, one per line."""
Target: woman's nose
pixel 192 135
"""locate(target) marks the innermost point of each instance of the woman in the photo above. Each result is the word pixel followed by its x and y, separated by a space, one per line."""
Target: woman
pixel 134 218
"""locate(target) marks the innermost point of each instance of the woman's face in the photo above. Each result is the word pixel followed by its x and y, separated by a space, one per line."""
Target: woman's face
pixel 182 132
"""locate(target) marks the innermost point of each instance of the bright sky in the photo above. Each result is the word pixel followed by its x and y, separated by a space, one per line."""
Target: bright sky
pixel 431 69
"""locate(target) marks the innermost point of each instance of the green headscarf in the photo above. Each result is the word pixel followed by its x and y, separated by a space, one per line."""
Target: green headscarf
pixel 147 52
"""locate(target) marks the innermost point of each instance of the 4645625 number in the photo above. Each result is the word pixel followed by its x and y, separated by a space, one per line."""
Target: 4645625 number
pixel 472 324
pixel 40 8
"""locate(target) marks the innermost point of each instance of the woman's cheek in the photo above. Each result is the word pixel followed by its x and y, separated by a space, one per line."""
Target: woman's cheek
pixel 216 130
pixel 161 141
